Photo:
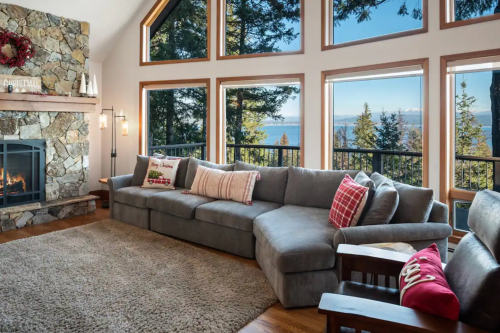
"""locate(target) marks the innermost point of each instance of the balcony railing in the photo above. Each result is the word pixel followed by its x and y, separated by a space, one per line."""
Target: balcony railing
pixel 198 150
pixel 401 166
pixel 264 155
pixel 471 173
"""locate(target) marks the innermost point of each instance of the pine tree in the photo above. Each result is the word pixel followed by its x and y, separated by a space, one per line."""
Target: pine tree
pixel 402 123
pixel 364 130
pixel 389 137
pixel 414 142
pixel 467 129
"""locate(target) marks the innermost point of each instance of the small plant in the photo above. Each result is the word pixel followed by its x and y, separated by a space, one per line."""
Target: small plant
pixel 153 174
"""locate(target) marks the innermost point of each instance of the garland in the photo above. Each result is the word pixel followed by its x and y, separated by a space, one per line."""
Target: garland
pixel 23 45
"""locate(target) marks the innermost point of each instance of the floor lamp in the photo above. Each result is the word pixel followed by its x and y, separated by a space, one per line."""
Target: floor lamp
pixel 103 120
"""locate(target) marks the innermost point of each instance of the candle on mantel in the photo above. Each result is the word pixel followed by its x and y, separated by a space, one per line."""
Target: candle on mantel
pixel 83 85
pixel 90 90
pixel 95 86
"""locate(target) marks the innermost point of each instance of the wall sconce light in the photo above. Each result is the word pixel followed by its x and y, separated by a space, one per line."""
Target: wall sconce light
pixel 125 127
pixel 103 121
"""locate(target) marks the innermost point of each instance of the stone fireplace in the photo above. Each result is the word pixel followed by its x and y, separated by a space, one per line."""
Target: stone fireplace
pixel 49 178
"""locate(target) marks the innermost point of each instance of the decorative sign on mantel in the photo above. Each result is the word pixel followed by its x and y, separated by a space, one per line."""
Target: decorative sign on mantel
pixel 20 83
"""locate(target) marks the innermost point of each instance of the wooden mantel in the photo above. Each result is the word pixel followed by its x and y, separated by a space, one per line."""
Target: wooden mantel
pixel 35 103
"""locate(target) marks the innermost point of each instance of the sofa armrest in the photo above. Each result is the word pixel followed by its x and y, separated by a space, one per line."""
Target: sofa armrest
pixel 115 184
pixel 364 314
pixel 439 213
pixel 392 233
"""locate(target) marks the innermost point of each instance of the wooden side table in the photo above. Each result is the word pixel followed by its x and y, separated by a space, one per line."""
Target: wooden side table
pixel 104 203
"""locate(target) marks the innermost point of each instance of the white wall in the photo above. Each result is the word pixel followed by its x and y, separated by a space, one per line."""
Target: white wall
pixel 95 133
pixel 122 74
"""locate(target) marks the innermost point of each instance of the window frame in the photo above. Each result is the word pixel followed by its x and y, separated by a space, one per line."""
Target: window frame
pixel 327 110
pixel 221 36
pixel 448 193
pixel 220 131
pixel 143 109
pixel 327 28
pixel 446 23
pixel 144 58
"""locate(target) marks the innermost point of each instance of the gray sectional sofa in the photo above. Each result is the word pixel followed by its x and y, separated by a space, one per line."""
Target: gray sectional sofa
pixel 286 229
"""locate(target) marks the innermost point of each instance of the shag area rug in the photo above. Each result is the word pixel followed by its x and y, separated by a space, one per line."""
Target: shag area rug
pixel 112 277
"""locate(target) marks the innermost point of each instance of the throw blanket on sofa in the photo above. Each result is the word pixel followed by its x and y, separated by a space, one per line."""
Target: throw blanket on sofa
pixel 226 185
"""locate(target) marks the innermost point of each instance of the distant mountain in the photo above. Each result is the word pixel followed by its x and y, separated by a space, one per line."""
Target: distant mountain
pixel 411 117
pixel 287 120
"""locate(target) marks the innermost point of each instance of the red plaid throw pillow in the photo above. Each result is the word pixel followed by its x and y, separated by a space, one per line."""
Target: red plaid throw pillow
pixel 348 203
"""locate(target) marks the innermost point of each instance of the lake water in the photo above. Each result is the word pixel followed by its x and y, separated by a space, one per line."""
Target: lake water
pixel 275 132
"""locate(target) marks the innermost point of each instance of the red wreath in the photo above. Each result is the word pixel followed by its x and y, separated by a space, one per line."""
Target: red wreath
pixel 24 49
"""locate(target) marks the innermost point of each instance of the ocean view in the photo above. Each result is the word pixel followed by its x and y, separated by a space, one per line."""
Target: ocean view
pixel 275 132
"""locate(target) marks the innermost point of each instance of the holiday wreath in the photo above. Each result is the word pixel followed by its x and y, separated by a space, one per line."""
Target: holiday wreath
pixel 23 49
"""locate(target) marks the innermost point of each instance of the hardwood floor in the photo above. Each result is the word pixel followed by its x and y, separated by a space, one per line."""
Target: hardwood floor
pixel 275 320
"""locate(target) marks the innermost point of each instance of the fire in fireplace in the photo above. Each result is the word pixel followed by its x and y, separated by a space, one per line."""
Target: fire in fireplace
pixel 22 172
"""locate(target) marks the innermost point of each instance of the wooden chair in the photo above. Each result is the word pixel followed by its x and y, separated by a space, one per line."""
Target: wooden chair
pixel 473 274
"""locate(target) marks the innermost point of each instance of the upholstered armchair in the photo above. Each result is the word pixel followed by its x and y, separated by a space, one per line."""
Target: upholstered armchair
pixel 473 274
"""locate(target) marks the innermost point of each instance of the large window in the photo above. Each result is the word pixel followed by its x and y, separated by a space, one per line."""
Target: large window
pixel 455 13
pixel 250 28
pixel 261 120
pixel 174 118
pixel 473 132
pixel 349 22
pixel 176 31
pixel 376 120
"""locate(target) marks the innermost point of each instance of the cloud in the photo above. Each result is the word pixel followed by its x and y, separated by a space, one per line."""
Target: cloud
pixel 413 109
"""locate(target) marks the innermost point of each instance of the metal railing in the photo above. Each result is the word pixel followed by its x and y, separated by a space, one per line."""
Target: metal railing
pixel 198 150
pixel 264 155
pixel 477 173
pixel 401 166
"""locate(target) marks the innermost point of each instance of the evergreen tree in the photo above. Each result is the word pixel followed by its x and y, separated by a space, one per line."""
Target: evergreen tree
pixel 389 137
pixel 364 130
pixel 467 130
pixel 258 26
pixel 414 142
pixel 402 123
pixel 183 35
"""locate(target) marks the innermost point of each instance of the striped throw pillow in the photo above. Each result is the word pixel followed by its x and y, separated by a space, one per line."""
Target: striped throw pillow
pixel 348 203
pixel 227 185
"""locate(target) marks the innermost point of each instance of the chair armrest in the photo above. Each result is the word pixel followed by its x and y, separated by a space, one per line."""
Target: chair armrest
pixel 439 213
pixel 368 315
pixel 392 233
pixel 362 259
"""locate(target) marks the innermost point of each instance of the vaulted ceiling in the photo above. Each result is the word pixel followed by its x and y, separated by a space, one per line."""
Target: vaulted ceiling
pixel 107 18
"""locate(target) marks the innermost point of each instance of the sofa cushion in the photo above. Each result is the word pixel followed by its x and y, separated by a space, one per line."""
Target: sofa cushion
pixel 313 188
pixel 272 184
pixel 193 167
pixel 135 195
pixel 234 214
pixel 141 168
pixel 415 203
pixel 177 203
pixel 383 205
pixel 298 239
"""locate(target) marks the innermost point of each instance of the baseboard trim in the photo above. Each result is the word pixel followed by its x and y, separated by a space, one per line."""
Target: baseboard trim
pixel 103 194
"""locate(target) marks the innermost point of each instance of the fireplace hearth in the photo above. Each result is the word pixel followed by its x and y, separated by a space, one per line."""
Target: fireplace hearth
pixel 22 172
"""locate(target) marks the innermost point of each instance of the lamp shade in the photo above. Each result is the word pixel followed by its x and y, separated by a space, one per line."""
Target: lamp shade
pixel 103 121
pixel 125 127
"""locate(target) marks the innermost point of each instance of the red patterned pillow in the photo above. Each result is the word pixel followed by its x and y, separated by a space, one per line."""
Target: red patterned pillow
pixel 424 287
pixel 348 203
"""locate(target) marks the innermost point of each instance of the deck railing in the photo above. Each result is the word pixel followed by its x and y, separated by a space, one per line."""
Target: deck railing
pixel 264 155
pixel 471 172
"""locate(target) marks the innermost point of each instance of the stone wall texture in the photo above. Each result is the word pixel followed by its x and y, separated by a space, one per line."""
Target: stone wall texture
pixel 67 147
pixel 61 44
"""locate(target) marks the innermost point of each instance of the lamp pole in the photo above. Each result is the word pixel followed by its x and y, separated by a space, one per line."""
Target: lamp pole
pixel 113 136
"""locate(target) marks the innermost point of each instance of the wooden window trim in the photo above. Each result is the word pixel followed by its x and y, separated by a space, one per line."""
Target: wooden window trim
pixel 326 28
pixel 144 38
pixel 327 116
pixel 447 191
pixel 220 130
pixel 445 24
pixel 221 28
pixel 143 143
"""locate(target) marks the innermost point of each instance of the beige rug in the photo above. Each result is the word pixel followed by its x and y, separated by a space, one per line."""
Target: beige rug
pixel 112 277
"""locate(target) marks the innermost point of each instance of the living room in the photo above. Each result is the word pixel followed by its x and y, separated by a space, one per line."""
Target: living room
pixel 249 166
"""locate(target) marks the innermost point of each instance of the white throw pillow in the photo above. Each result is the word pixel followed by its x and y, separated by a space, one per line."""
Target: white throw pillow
pixel 161 173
